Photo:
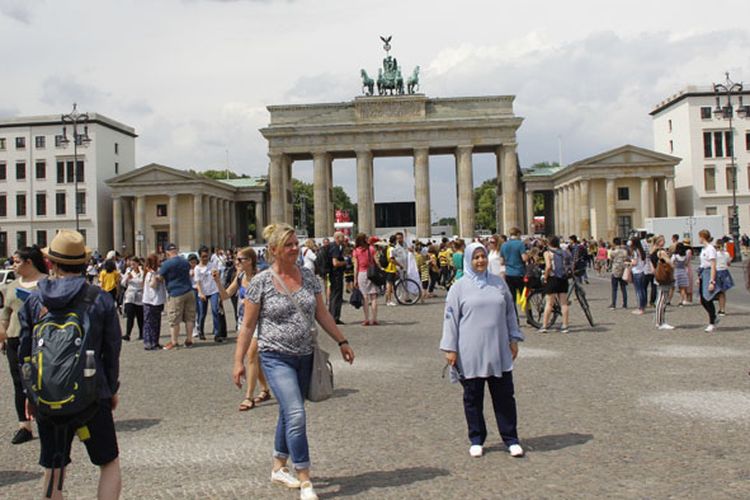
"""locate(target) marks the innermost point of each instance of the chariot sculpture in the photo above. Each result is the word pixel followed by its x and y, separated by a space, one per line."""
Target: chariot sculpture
pixel 390 80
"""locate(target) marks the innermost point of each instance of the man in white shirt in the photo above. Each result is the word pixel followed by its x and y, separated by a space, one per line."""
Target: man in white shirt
pixel 208 293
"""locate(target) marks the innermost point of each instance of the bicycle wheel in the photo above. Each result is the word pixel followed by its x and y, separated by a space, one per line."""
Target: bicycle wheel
pixel 535 308
pixel 581 297
pixel 407 291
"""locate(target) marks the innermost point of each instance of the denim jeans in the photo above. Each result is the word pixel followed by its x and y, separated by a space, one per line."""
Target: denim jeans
pixel 289 378
pixel 623 287
pixel 503 403
pixel 203 312
pixel 639 281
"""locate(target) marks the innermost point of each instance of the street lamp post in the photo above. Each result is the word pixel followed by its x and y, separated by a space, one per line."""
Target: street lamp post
pixel 728 89
pixel 74 118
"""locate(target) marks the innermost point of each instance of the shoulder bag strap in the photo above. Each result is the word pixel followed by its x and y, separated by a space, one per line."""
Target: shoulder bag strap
pixel 289 294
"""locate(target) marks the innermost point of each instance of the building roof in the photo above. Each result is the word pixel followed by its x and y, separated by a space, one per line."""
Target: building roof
pixel 689 91
pixel 260 181
pixel 40 120
pixel 542 171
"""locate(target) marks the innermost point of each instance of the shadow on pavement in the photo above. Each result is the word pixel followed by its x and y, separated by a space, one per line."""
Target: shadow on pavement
pixel 554 442
pixel 8 477
pixel 135 424
pixel 354 485
pixel 342 393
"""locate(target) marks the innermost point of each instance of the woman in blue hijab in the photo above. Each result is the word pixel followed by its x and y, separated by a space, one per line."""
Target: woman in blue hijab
pixel 480 342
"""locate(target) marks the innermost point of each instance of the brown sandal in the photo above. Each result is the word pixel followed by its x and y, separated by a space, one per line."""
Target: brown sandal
pixel 261 397
pixel 247 404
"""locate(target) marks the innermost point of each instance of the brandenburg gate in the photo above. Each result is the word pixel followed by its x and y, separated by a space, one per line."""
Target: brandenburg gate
pixel 392 124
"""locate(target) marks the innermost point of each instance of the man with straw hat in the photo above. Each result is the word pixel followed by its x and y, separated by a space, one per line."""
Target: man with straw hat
pixel 65 293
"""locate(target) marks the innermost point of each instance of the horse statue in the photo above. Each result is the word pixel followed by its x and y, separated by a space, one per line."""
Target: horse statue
pixel 412 83
pixel 367 83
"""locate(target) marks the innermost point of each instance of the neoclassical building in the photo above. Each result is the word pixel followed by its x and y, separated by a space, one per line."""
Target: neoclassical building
pixel 155 204
pixel 381 126
pixel 605 195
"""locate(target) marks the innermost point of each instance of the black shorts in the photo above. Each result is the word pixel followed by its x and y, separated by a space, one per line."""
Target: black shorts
pixel 101 446
pixel 391 277
pixel 556 285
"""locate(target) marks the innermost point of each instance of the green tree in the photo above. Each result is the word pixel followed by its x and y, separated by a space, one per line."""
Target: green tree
pixel 221 174
pixel 448 221
pixel 304 194
pixel 341 201
pixel 485 198
pixel 538 203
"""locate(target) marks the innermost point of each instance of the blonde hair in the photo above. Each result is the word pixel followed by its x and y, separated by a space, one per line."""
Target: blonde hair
pixel 276 236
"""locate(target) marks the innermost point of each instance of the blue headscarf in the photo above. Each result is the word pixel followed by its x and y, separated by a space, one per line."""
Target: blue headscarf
pixel 479 278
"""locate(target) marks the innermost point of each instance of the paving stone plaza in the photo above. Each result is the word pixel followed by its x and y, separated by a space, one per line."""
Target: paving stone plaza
pixel 618 411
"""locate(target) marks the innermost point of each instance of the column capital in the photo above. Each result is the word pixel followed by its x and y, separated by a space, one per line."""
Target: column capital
pixel 464 148
pixel 321 155
pixel 363 152
pixel 422 150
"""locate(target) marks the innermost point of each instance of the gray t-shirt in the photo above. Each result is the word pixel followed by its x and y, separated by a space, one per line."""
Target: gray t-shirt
pixel 281 327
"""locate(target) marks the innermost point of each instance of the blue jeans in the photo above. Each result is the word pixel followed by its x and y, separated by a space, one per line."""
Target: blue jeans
pixel 624 287
pixel 289 378
pixel 639 282
pixel 203 312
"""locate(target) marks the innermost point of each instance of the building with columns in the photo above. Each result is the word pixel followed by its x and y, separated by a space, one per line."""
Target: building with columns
pixel 405 125
pixel 155 204
pixel 605 195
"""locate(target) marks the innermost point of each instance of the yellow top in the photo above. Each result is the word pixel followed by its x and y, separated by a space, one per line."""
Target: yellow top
pixel 109 281
pixel 391 267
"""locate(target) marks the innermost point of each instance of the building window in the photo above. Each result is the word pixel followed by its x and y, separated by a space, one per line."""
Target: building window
pixel 161 210
pixel 708 150
pixel 719 144
pixel 72 173
pixel 21 239
pixel 40 141
pixel 117 168
pixel 59 141
pixel 730 177
pixel 709 179
pixel 20 171
pixel 3 205
pixel 747 141
pixel 623 193
pixel 79 171
pixel 41 203
pixel 20 143
pixel 60 203
pixel 41 170
pixel 728 139
pixel 671 146
pixel 3 171
pixel 624 225
pixel 69 169
pixel 61 172
pixel 669 126
pixel 81 203
pixel 2 143
pixel 41 238
pixel 21 205
pixel 706 113
pixel 117 149
pixel 711 211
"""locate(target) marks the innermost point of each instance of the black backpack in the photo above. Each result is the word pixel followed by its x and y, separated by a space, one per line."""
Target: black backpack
pixel 321 262
pixel 383 258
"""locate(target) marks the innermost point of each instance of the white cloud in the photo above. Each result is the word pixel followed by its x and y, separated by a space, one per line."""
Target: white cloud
pixel 20 10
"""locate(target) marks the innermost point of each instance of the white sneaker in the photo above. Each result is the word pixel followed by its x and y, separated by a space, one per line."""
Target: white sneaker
pixel 542 330
pixel 306 491
pixel 515 450
pixel 710 328
pixel 665 326
pixel 476 450
pixel 285 478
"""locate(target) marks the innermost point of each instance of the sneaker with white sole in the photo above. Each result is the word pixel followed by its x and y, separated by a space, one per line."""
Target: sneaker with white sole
pixel 306 491
pixel 515 450
pixel 476 450
pixel 710 328
pixel 665 326
pixel 285 478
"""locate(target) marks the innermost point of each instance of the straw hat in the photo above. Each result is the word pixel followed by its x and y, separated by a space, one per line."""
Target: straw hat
pixel 67 247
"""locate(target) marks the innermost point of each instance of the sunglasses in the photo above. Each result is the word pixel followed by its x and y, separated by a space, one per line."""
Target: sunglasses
pixel 458 371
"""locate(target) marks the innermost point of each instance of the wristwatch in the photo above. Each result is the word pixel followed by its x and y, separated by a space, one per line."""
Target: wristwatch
pixel 343 342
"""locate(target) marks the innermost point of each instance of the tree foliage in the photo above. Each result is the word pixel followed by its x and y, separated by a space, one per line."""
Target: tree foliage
pixel 485 198
pixel 218 175
pixel 304 202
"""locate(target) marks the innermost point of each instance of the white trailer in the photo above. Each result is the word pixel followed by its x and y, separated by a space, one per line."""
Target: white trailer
pixel 686 227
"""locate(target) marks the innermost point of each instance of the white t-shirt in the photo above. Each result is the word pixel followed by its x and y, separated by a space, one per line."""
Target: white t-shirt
pixel 154 296
pixel 309 257
pixel 494 264
pixel 707 255
pixel 722 260
pixel 205 280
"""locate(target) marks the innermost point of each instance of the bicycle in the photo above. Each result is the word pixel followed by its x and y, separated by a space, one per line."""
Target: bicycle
pixel 535 303
pixel 406 290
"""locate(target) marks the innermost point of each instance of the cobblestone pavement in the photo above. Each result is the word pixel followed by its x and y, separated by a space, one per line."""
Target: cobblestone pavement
pixel 619 411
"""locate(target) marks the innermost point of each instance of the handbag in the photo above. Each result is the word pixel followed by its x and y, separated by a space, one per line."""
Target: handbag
pixel 356 299
pixel 374 273
pixel 627 275
pixel 321 378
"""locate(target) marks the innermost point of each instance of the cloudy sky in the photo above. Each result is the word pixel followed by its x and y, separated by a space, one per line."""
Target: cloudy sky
pixel 194 76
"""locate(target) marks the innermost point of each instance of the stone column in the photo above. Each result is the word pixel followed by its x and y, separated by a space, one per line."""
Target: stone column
pixel 510 187
pixel 330 210
pixel 529 211
pixel 117 223
pixel 197 220
pixel 213 217
pixel 611 216
pixel 260 221
pixel 465 191
pixel 174 236
pixel 585 209
pixel 221 231
pixel 320 193
pixel 128 225
pixel 568 218
pixel 277 189
pixel 227 223
pixel 233 224
pixel 140 225
pixel 422 191
pixel 207 222
pixel 645 203
pixel 575 206
pixel 651 198
pixel 365 206
pixel 288 190
pixel 671 199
